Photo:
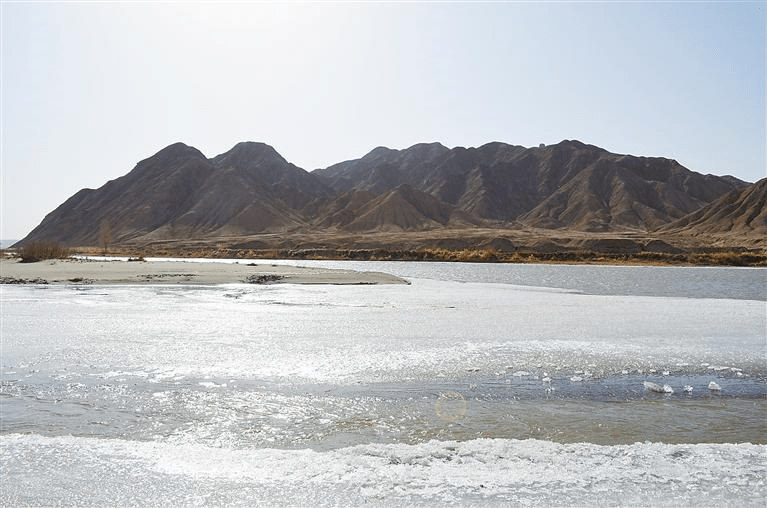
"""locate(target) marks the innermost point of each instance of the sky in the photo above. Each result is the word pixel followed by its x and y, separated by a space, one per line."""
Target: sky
pixel 91 88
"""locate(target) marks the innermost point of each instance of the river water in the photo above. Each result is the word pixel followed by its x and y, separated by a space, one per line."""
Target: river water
pixel 490 384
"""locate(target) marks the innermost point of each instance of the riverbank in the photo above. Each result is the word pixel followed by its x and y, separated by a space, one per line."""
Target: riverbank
pixel 463 245
pixel 83 271
pixel 697 257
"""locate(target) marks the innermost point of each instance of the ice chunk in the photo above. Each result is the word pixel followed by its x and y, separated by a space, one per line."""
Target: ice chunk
pixel 654 387
pixel 713 386
pixel 211 384
pixel 687 389
pixel 576 379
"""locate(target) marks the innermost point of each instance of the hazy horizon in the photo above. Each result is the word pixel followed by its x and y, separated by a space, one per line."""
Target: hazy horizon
pixel 90 89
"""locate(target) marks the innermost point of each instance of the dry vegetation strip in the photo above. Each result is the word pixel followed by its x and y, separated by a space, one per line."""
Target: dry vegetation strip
pixel 711 257
pixel 38 251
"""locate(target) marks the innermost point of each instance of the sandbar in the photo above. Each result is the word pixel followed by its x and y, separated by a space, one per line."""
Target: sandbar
pixel 85 271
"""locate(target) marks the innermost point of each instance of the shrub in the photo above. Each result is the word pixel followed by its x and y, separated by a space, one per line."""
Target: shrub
pixel 38 251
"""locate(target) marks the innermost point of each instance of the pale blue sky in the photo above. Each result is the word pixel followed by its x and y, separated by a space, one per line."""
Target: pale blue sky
pixel 89 89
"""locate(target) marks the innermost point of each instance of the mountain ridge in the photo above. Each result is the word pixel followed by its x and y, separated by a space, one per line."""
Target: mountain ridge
pixel 251 189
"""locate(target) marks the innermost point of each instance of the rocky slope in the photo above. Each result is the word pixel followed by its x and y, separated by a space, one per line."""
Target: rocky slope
pixel 178 192
pixel 252 190
pixel 568 185
pixel 742 212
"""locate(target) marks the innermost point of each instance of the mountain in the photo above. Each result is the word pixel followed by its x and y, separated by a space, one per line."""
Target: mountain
pixel 567 185
pixel 178 193
pixel 136 204
pixel 742 211
pixel 384 169
pixel 614 191
pixel 402 208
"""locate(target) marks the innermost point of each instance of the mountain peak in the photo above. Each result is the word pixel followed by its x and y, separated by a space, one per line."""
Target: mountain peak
pixel 574 144
pixel 178 149
pixel 169 156
pixel 429 147
pixel 424 150
pixel 379 151
pixel 249 153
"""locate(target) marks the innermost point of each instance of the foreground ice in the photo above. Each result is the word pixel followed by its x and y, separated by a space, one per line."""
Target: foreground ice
pixel 385 395
pixel 438 473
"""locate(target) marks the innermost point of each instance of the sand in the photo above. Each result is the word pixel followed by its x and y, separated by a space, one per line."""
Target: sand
pixel 178 272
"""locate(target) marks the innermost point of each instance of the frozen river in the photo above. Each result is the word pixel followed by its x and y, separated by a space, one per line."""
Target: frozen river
pixel 477 383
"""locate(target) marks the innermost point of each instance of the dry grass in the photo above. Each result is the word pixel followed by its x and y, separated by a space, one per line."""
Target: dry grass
pixel 464 255
pixel 39 251
pixel 692 257
pixel 718 258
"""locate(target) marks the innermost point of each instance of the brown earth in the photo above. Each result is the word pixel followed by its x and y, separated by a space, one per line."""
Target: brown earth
pixel 468 244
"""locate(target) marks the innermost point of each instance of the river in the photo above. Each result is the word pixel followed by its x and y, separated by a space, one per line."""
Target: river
pixel 489 384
